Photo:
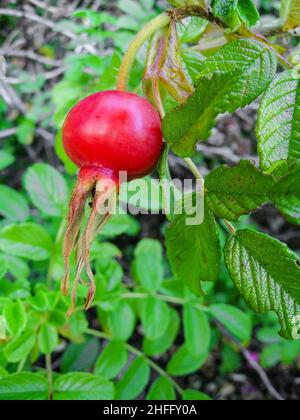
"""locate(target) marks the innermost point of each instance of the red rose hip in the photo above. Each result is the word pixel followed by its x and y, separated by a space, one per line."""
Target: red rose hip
pixel 105 134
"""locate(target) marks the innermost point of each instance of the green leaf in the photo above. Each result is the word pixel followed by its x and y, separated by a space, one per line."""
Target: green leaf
pixel 192 395
pixel 224 9
pixel 196 330
pixel 134 380
pixel 148 264
pixel 234 320
pixel 47 189
pixel 278 127
pixel 112 360
pixel 248 12
pixel 15 315
pixel 24 386
pixel 270 356
pixel 286 195
pixel 17 267
pixel 155 318
pixel 82 387
pixel 194 250
pixel 12 205
pixel 47 339
pixel 184 363
pixel 20 347
pixel 6 159
pixel 3 373
pixel 121 322
pixel 3 266
pixel 39 301
pixel 193 60
pixel 236 191
pixel 267 275
pixel 80 357
pixel 27 240
pixel 192 29
pixel 290 14
pixel 162 344
pixel 232 78
pixel 231 360
pixel 104 250
pixel 161 390
pixel 120 224
pixel 25 131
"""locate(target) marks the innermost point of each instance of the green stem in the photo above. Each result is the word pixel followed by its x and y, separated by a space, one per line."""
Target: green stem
pixel 49 374
pixel 158 23
pixel 169 299
pixel 194 169
pixel 139 353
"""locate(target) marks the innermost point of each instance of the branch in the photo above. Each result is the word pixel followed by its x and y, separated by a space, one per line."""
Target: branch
pixel 7 133
pixel 44 6
pixel 31 56
pixel 199 11
pixel 35 18
pixel 255 365
pixel 223 153
pixel 133 350
pixel 207 14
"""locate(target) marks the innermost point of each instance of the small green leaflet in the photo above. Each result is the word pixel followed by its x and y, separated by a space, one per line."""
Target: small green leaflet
pixel 232 78
pixel 234 12
pixel 162 344
pixel 27 240
pixel 183 362
pixel 192 395
pixel 148 264
pixel 20 346
pixel 121 322
pixel 15 315
pixel 224 9
pixel 24 387
pixel 197 331
pixel 82 387
pixel 248 12
pixel 194 251
pixel 13 206
pixel 155 318
pixel 47 339
pixel 47 189
pixel 278 127
pixel 267 274
pixel 134 380
pixel 234 320
pixel 112 360
pixel 161 390
pixel 6 159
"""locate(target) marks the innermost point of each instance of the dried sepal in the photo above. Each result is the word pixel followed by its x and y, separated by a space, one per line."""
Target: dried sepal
pixel 165 66
pixel 104 192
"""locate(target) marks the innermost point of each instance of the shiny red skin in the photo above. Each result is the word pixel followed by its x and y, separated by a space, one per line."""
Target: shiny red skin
pixel 116 131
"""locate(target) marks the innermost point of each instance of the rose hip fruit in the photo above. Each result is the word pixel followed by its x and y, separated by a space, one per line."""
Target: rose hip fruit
pixel 105 134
